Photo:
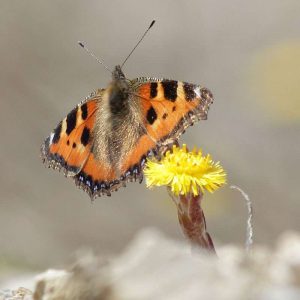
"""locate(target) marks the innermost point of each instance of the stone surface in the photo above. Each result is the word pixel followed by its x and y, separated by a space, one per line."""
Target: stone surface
pixel 155 267
pixel 19 294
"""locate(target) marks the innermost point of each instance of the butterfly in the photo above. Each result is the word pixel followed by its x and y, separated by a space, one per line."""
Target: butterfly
pixel 105 140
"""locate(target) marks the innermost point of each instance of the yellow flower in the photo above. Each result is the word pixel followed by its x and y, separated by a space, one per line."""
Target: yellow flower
pixel 185 172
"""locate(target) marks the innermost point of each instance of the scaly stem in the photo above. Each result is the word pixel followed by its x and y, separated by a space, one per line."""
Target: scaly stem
pixel 192 220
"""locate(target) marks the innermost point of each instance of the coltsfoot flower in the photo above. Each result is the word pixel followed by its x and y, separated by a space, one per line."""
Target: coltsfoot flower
pixel 185 172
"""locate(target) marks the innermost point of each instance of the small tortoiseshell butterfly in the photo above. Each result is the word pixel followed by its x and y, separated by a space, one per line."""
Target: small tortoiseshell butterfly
pixel 105 140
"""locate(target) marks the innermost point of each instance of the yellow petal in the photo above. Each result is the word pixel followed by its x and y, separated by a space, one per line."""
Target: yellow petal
pixel 185 172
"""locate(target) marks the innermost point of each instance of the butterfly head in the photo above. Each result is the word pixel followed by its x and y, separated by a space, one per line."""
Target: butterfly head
pixel 117 73
pixel 118 92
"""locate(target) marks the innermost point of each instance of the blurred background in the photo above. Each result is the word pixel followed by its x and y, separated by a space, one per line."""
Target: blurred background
pixel 246 52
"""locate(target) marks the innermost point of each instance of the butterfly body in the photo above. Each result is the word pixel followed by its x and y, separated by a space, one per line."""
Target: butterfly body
pixel 105 140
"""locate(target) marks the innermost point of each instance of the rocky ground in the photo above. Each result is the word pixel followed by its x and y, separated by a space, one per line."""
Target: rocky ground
pixel 155 267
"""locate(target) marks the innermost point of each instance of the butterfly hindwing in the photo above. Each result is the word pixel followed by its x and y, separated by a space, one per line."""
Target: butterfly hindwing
pixel 97 177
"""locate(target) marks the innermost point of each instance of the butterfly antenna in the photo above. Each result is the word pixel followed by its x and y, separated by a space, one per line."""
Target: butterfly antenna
pixel 152 23
pixel 94 56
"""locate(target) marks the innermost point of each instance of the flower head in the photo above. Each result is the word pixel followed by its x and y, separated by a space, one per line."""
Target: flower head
pixel 185 172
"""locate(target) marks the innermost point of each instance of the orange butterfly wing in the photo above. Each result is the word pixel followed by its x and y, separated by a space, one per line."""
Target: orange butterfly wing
pixel 70 148
pixel 69 145
pixel 168 108
pixel 172 107
pixel 97 177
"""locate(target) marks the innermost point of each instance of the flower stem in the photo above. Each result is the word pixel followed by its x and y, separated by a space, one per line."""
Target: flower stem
pixel 192 220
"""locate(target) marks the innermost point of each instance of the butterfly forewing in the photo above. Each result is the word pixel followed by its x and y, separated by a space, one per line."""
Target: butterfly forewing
pixel 70 143
pixel 170 106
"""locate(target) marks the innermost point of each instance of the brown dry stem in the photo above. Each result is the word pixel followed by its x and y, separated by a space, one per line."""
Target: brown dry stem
pixel 192 220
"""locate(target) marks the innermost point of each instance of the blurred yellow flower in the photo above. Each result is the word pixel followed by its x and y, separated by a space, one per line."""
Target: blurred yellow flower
pixel 185 172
